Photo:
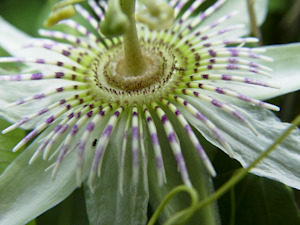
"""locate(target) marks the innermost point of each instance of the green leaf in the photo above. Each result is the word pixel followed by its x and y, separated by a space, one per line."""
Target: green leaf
pixel 262 201
pixel 7 142
pixel 258 200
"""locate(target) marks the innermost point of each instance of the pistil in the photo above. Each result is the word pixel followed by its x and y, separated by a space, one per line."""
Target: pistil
pixel 135 64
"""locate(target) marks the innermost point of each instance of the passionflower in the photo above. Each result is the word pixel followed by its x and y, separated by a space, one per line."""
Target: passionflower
pixel 126 107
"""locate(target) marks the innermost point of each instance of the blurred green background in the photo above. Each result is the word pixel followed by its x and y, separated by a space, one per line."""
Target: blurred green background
pixel 281 26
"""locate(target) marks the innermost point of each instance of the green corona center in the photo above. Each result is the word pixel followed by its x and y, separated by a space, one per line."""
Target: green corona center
pixel 160 64
pixel 117 76
pixel 135 64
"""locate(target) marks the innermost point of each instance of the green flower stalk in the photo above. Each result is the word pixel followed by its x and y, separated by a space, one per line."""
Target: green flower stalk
pixel 133 95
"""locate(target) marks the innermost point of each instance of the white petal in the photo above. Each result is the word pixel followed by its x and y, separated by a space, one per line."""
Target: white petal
pixel 13 91
pixel 107 205
pixel 35 190
pixel 12 40
pixel 260 8
pixel 281 165
pixel 286 72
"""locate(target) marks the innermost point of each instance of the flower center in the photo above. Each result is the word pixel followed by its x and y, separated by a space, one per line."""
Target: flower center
pixel 160 61
pixel 117 76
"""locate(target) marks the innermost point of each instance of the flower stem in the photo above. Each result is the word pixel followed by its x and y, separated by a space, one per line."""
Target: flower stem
pixel 255 31
pixel 134 61
pixel 239 175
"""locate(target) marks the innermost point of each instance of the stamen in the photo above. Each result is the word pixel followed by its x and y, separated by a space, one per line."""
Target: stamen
pixel 94 50
pixel 227 78
pixel 218 104
pixel 209 124
pixel 223 67
pixel 49 93
pixel 191 136
pixel 84 31
pixel 135 145
pixel 161 174
pixel 194 63
pixel 171 134
pixel 123 151
pixel 80 155
pixel 230 93
pixel 101 147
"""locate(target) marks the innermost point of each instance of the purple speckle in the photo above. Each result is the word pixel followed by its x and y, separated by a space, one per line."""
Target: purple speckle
pixel 177 112
pixel 36 76
pixel 216 103
pixel 172 137
pixel 232 67
pixel 255 56
pixel 50 119
pixel 158 162
pixel 25 120
pixel 59 74
pixel 66 53
pixel 154 139
pixel 90 114
pixel 202 16
pixel 43 111
pixel 21 101
pixel 16 78
pixel 47 46
pixel 252 64
pixel 135 131
pixel 214 24
pixel 164 119
pixel 108 130
pixel 30 136
pixel 74 130
pixel 59 63
pixel 219 90
pixel 253 71
pixel 39 96
pixel 40 61
pixel 244 98
pixel 64 128
pixel 231 60
pixel 201 117
pixel 196 93
pixel 59 89
pixel 188 129
pixel 63 101
pixel 180 160
pixel 238 115
pixel 226 77
pixel 212 53
pixel 57 128
pixel 234 53
pixel 149 119
pixel 90 127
